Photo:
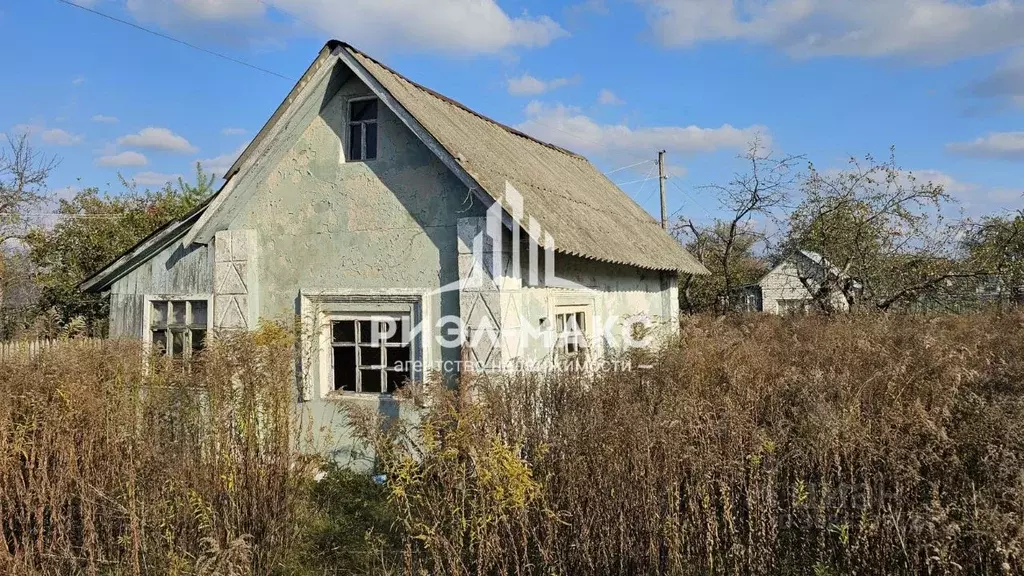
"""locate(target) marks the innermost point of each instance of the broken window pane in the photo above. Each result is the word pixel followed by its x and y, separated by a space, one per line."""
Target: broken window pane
pixel 345 369
pixel 344 331
pixel 396 380
pixel 366 332
pixel 372 381
pixel 371 356
pixel 178 313
pixel 397 331
pixel 399 358
pixel 198 340
pixel 371 141
pixel 160 342
pixel 159 314
pixel 177 344
pixel 355 142
pixel 363 110
pixel 199 313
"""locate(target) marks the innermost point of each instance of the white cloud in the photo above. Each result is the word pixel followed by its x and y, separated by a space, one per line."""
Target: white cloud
pixel 473 26
pixel 27 129
pixel 78 80
pixel 1002 145
pixel 158 139
pixel 931 30
pixel 122 160
pixel 608 98
pixel 59 137
pixel 570 128
pixel 220 165
pixel 527 85
pixel 948 183
pixel 154 178
pixel 105 119
pixel 234 132
pixel 1007 81
pixel 198 9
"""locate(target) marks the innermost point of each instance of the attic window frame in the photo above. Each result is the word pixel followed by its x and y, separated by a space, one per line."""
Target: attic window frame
pixel 361 126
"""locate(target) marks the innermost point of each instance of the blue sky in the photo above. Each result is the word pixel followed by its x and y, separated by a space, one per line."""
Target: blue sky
pixel 616 80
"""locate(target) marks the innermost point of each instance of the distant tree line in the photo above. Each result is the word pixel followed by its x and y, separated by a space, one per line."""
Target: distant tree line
pixel 889 241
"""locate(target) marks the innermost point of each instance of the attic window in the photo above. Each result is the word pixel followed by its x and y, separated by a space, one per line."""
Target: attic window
pixel 362 129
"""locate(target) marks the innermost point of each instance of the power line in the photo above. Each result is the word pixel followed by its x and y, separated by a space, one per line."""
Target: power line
pixel 176 40
pixel 628 167
pixel 649 173
pixel 695 201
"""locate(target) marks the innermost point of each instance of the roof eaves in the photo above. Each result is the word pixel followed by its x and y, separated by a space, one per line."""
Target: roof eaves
pixel 149 245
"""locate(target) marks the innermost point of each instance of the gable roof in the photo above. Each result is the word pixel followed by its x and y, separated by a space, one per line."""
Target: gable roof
pixel 815 258
pixel 586 214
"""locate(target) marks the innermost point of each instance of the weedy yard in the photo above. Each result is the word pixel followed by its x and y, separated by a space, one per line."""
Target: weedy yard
pixel 882 444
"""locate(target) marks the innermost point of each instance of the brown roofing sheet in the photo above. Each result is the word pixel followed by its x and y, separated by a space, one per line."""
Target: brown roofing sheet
pixel 585 213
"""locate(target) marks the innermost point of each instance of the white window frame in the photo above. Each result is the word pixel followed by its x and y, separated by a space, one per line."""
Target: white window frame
pixel 331 318
pixel 349 123
pixel 319 310
pixel 572 307
pixel 147 316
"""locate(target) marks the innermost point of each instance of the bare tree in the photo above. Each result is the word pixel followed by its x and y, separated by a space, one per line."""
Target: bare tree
pixel 726 245
pixel 23 175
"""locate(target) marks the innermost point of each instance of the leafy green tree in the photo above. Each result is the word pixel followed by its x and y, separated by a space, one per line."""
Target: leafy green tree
pixel 997 245
pixel 94 229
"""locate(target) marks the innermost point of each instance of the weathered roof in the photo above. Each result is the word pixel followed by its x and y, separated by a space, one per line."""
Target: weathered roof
pixel 585 213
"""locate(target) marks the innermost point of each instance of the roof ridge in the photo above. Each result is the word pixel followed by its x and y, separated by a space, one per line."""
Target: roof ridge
pixel 462 106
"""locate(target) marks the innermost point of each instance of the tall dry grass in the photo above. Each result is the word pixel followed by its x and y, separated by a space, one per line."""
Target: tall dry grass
pixel 864 445
pixel 109 466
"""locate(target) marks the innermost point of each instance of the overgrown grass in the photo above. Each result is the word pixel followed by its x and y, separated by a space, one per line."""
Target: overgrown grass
pixel 110 466
pixel 863 445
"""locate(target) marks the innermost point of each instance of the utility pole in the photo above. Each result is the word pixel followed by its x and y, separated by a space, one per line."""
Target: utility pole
pixel 661 181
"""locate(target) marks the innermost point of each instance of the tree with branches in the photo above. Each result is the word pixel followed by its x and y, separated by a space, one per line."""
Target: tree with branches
pixel 23 175
pixel 886 239
pixel 726 246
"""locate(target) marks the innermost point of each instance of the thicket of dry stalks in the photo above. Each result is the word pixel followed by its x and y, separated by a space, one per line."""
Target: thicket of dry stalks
pixel 110 466
pixel 863 445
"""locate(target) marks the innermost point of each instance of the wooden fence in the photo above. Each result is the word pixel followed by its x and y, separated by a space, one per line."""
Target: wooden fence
pixel 32 348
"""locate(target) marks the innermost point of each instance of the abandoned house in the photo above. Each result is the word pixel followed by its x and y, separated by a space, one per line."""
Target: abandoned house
pixel 365 201
pixel 787 288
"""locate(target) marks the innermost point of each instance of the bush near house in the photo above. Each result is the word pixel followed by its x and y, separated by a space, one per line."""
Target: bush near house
pixel 867 445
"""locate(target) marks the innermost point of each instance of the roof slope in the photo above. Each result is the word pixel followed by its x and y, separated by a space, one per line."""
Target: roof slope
pixel 585 213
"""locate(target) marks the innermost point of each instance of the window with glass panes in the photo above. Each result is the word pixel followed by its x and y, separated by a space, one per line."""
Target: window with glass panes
pixel 371 355
pixel 571 329
pixel 178 328
pixel 362 129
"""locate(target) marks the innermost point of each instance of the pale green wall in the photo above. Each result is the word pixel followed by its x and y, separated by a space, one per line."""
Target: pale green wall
pixel 327 225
